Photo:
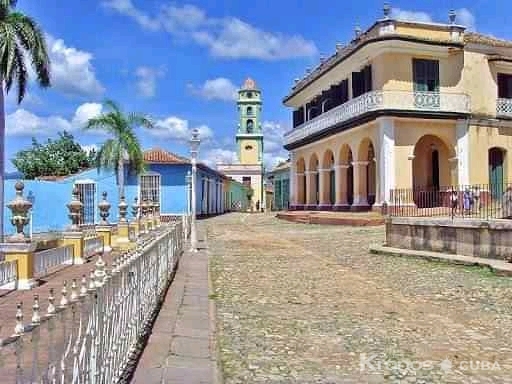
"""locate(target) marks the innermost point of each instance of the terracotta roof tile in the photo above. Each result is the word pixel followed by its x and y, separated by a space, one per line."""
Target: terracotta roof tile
pixel 478 38
pixel 161 156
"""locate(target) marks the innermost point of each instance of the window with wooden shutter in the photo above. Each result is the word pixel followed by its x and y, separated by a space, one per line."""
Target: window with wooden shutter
pixel 504 86
pixel 425 75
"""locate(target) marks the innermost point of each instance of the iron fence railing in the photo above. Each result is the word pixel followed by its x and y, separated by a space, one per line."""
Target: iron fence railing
pixel 51 258
pixel 8 272
pixel 477 201
pixel 93 246
pixel 91 332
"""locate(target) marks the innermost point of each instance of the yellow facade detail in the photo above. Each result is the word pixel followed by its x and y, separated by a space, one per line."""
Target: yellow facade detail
pixel 249 151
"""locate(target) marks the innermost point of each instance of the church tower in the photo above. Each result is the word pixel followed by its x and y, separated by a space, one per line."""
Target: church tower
pixel 249 138
pixel 248 168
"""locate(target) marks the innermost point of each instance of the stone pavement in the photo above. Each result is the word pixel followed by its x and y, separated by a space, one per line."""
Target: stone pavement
pixel 309 304
pixel 178 350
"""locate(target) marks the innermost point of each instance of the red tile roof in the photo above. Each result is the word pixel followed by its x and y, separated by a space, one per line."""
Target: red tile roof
pixel 161 156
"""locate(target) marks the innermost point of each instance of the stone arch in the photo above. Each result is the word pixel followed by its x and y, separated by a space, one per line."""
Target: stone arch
pixel 431 170
pixel 345 184
pixel 327 104
pixel 249 111
pixel 250 126
pixel 328 181
pixel 497 171
pixel 368 170
pixel 313 181
pixel 301 181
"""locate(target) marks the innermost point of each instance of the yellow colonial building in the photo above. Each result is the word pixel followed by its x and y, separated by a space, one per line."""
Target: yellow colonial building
pixel 403 105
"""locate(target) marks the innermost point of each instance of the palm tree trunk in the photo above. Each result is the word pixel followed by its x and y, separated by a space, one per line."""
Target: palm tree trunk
pixel 120 177
pixel 2 159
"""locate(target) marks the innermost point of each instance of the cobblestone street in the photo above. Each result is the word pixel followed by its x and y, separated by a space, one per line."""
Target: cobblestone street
pixel 308 304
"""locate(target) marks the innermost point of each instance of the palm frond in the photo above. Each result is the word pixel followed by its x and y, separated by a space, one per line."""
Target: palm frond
pixel 108 155
pixel 21 75
pixel 112 105
pixel 140 120
pixel 33 41
pixel 104 122
pixel 8 45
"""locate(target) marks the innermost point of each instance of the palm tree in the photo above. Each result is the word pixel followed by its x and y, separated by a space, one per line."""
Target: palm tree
pixel 20 35
pixel 124 147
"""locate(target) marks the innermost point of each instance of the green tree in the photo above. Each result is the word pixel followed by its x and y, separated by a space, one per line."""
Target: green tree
pixel 20 36
pixel 124 147
pixel 60 157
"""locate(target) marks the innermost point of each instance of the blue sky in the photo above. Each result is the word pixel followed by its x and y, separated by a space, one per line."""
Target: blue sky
pixel 181 62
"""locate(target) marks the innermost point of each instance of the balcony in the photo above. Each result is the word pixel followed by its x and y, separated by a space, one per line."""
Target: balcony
pixel 380 101
pixel 504 108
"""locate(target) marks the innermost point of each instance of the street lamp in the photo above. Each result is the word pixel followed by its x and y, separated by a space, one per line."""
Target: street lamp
pixel 188 181
pixel 194 147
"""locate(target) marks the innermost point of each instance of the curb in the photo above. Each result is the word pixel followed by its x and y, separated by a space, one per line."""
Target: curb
pixel 218 375
pixel 498 267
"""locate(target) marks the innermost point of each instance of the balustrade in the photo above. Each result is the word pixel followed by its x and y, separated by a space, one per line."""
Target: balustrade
pixel 51 258
pixel 91 332
pixel 381 100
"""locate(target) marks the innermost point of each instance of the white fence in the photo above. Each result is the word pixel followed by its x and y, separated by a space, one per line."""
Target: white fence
pixel 8 272
pixel 51 258
pixel 92 331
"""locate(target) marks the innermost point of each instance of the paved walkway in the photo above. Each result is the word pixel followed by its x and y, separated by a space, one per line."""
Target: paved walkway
pixel 178 350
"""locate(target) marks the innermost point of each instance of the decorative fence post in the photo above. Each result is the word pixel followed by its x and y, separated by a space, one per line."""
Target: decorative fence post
pixel 149 221
pixel 18 247
pixel 73 236
pixel 145 221
pixel 104 229
pixel 135 217
pixel 157 214
pixel 122 226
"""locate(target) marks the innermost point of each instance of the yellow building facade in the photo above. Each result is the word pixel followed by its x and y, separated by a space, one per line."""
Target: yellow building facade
pixel 405 105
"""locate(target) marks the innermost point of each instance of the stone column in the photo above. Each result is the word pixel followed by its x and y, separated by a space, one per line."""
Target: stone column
pixel 386 160
pixel 293 199
pixel 360 190
pixel 310 189
pixel 73 235
pixel 340 176
pixel 324 203
pixel 462 132
pixel 122 225
pixel 300 180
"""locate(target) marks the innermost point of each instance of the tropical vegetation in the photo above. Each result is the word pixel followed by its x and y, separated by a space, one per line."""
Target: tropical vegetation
pixel 61 157
pixel 21 40
pixel 123 149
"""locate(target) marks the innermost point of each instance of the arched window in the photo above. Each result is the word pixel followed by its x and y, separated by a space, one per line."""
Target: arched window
pixel 250 126
pixel 249 111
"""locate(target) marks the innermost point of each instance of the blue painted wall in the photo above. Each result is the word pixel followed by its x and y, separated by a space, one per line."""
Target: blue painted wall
pixel 50 197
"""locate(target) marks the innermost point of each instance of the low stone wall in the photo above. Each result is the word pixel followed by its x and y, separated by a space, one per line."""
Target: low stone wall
pixel 469 237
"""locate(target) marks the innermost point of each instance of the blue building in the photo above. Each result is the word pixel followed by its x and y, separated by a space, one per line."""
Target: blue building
pixel 164 182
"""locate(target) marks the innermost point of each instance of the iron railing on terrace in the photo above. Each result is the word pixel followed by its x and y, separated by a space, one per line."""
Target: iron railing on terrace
pixel 503 107
pixel 91 331
pixel 45 261
pixel 377 101
pixel 476 201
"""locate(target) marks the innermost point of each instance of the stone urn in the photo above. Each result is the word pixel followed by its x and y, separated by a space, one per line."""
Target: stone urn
pixel 19 207
pixel 123 210
pixel 75 207
pixel 104 207
pixel 135 208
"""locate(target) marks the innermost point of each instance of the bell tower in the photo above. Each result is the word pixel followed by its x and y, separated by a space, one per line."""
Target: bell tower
pixel 249 137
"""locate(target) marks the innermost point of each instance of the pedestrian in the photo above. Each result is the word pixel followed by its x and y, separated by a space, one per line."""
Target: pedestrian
pixel 454 198
pixel 258 206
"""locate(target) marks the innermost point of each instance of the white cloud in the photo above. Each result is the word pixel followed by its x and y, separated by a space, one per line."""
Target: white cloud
pixel 175 128
pixel 146 80
pixel 402 14
pixel 464 16
pixel 227 37
pixel 216 89
pixel 214 156
pixel 25 123
pixel 72 71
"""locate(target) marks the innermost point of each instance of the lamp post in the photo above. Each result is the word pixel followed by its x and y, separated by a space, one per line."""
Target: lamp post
pixel 194 147
pixel 188 181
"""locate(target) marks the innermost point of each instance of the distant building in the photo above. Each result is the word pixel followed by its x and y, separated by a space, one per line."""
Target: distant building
pixel 164 182
pixel 403 105
pixel 279 177
pixel 249 142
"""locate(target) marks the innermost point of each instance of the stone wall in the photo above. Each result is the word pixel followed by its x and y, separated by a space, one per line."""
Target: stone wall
pixel 469 237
